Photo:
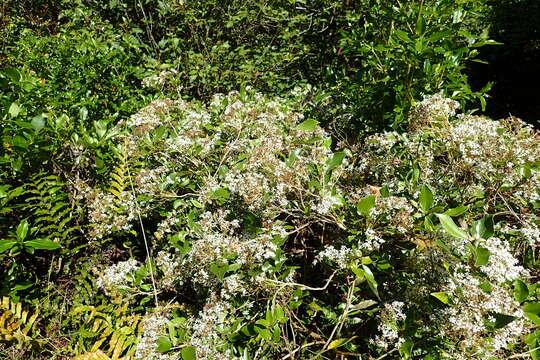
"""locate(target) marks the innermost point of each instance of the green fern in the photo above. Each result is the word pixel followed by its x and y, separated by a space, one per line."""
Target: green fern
pixel 49 209
pixel 17 322
pixel 120 179
pixel 108 331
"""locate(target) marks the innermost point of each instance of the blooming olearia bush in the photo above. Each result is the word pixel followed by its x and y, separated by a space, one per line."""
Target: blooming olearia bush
pixel 269 244
pixel 228 183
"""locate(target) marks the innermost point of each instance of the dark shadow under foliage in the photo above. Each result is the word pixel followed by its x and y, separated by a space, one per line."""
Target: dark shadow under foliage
pixel 514 66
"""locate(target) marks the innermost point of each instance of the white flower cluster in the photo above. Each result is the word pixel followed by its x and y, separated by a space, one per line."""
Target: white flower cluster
pixel 373 241
pixel 108 213
pixel 207 328
pixel 502 265
pixel 340 257
pixel 471 153
pixel 118 276
pixel 391 314
pixel 159 80
pixel 472 308
pixel 153 326
pixel 432 109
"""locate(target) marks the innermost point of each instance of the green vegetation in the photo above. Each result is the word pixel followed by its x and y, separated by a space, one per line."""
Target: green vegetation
pixel 261 180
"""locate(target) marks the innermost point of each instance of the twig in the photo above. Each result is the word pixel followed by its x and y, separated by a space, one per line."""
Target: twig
pixel 525 354
pixel 300 348
pixel 305 286
pixel 137 208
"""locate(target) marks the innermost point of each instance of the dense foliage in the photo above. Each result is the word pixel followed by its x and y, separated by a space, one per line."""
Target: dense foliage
pixel 261 180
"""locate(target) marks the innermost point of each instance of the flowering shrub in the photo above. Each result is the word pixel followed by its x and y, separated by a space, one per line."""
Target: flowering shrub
pixel 267 243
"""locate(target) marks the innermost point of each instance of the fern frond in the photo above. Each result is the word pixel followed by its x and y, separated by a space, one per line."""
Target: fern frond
pixel 16 322
pixel 116 331
pixel 46 204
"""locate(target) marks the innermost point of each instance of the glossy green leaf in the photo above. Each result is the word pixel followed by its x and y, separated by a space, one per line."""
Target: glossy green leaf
pixel 264 333
pixel 482 256
pixel 336 160
pixel 365 205
pixel 337 343
pixel 83 113
pixel 308 125
pixel 456 211
pixel 521 291
pixel 364 304
pixel 38 122
pixel 426 198
pixel 371 280
pixel 483 228
pixel 403 36
pixel 442 297
pixel 22 230
pixel 163 344
pixel 525 171
pixel 450 227
pixel 188 353
pixel 6 245
pixel 219 270
pixel 42 244
pixel 532 311
pixel 14 110
pixel 420 25
pixel 20 142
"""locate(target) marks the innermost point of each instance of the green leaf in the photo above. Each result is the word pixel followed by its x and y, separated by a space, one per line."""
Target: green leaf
pixel 279 314
pixel 521 291
pixel 188 353
pixel 308 125
pixel 163 344
pixel 219 270
pixel 221 195
pixel 364 304
pixel 337 343
pixel 525 171
pixel 14 110
pixel 428 223
pixel 450 227
pixel 482 256
pixel 264 333
pixel 13 74
pixel 532 311
pixel 402 35
pixel 426 198
pixel 20 142
pixel 22 230
pixel 486 286
pixel 405 350
pixel 420 25
pixel 365 205
pixel 532 340
pixel 456 211
pixel 371 280
pixel 42 244
pixel 439 35
pixel 442 297
pixel 83 113
pixel 483 228
pixel 38 122
pixel 6 245
pixel 336 160
pixel 532 307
